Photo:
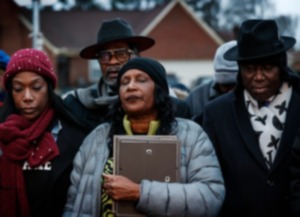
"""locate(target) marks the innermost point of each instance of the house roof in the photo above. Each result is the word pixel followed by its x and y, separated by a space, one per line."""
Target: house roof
pixel 171 6
pixel 75 29
pixel 70 31
pixel 180 35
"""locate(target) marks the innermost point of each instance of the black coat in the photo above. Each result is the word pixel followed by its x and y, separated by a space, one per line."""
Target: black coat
pixel 47 190
pixel 251 188
pixel 295 182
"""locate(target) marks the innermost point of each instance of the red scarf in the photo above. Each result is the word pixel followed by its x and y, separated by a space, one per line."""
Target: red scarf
pixel 20 141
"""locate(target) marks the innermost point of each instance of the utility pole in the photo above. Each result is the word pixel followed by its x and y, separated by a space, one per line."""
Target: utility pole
pixel 37 38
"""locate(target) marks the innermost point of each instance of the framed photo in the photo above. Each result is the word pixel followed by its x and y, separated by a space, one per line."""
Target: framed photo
pixel 145 157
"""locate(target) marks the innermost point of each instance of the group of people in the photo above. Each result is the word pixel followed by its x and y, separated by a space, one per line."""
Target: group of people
pixel 239 134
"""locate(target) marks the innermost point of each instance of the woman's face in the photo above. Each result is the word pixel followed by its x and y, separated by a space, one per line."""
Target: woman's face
pixel 30 94
pixel 137 93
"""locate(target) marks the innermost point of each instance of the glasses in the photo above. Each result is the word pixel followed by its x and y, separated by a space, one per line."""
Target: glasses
pixel 122 55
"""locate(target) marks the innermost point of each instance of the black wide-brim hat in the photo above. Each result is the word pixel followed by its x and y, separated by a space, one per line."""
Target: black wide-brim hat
pixel 116 30
pixel 259 39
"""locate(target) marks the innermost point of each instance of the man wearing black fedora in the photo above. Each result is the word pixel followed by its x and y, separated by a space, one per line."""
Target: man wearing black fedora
pixel 253 127
pixel 116 44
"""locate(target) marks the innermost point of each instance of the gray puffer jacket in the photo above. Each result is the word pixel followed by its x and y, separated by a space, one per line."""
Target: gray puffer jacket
pixel 200 193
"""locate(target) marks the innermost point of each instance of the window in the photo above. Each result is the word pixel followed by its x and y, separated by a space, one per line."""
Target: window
pixel 94 71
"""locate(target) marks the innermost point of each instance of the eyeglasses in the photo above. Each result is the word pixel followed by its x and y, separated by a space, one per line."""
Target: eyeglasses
pixel 121 55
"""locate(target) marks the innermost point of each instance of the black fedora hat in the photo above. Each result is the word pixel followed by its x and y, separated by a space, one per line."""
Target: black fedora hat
pixel 116 30
pixel 259 39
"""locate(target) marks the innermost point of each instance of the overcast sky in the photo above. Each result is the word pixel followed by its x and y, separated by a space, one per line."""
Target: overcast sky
pixel 287 6
pixel 290 7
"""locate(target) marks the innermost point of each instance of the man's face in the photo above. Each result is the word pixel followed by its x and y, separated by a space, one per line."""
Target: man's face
pixel 111 60
pixel 262 81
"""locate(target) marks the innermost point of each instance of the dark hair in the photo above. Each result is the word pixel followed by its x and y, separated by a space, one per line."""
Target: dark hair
pixel 55 101
pixel 166 115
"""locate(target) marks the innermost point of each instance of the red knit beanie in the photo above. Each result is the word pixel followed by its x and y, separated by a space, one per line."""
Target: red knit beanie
pixel 31 60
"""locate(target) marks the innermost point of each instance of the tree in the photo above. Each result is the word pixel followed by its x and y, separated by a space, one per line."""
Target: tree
pixel 208 10
pixel 134 4
pixel 287 24
pixel 234 12
pixel 114 4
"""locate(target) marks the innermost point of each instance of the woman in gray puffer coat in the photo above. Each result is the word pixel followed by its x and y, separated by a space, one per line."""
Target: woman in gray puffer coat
pixel 145 108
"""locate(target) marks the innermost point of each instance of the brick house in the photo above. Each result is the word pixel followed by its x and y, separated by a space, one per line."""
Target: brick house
pixel 185 44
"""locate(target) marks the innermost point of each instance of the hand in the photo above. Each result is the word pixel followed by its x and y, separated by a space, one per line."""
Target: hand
pixel 121 188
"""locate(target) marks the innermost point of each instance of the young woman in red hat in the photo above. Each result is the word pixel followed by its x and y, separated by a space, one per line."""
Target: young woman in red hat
pixel 38 139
